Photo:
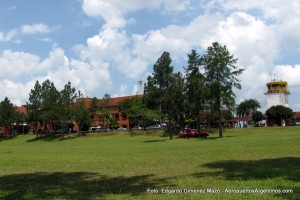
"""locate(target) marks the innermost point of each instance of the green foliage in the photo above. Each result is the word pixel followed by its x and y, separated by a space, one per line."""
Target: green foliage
pixel 113 124
pixel 279 113
pixel 82 115
pixel 94 107
pixel 137 111
pixel 47 104
pixel 221 76
pixel 158 88
pixel 34 107
pixel 103 108
pixel 164 90
pixel 247 107
pixel 8 112
pixel 257 116
pixel 195 90
pixel 228 115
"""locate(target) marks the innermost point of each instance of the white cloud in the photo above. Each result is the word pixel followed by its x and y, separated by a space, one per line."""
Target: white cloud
pixel 35 28
pixel 9 35
pixel 111 46
pixel 290 73
pixel 114 12
pixel 16 64
pixel 20 71
pixel 16 92
pixel 85 76
pixel 270 9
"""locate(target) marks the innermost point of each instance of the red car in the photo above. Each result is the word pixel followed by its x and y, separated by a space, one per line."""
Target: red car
pixel 193 133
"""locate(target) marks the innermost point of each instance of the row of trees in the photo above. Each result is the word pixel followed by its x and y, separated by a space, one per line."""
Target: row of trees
pixel 9 114
pixel 47 106
pixel 56 110
pixel 207 85
pixel 275 114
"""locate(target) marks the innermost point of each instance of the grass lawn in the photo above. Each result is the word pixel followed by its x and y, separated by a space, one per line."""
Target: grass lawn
pixel 118 166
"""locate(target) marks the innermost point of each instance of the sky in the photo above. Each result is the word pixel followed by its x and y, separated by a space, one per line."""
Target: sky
pixel 107 46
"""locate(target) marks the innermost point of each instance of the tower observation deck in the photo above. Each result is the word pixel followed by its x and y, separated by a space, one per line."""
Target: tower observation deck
pixel 277 93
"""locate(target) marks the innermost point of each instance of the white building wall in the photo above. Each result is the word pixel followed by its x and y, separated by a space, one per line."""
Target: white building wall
pixel 275 99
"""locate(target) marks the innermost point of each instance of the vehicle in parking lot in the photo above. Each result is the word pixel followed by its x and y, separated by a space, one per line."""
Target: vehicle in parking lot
pixel 187 133
pixel 136 128
pixel 102 129
pixel 154 127
pixel 122 129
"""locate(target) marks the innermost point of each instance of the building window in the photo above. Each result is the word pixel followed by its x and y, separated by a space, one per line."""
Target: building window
pixel 117 116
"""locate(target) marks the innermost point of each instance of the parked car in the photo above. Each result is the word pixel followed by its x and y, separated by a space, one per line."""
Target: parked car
pixel 122 129
pixel 136 128
pixel 193 133
pixel 102 129
pixel 154 127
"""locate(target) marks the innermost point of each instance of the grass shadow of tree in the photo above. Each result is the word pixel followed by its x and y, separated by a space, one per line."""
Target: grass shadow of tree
pixel 286 168
pixel 54 137
pixel 151 141
pixel 77 185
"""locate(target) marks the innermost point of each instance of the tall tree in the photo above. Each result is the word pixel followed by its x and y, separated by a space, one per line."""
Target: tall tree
pixel 50 109
pixel 20 118
pixel 104 110
pixel 81 115
pixel 7 115
pixel 247 107
pixel 137 112
pixel 67 99
pixel 158 93
pixel 195 89
pixel 34 106
pixel 257 116
pixel 279 113
pixel 177 111
pixel 221 76
pixel 94 109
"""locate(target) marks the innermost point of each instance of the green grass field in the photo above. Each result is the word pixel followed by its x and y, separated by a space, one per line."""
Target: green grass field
pixel 118 166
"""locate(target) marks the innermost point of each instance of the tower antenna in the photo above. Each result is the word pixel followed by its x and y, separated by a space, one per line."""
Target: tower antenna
pixel 140 85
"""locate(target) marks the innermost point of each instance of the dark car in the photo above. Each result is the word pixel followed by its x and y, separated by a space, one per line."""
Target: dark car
pixel 136 128
pixel 154 127
pixel 193 133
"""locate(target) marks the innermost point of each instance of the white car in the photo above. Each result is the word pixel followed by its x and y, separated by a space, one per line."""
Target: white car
pixel 122 129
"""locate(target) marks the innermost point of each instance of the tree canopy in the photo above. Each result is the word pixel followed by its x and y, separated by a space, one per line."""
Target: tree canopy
pixel 8 113
pixel 221 76
pixel 279 113
pixel 247 107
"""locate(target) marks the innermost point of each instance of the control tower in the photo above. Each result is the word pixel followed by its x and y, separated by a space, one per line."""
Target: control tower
pixel 277 93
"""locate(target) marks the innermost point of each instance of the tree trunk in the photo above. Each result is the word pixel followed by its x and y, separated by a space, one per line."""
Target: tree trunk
pixel 198 121
pixel 220 124
pixel 170 130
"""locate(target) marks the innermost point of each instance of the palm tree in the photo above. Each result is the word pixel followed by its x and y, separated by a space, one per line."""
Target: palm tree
pixel 247 107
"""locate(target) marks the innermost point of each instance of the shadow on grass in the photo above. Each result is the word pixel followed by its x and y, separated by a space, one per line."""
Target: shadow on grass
pixel 286 168
pixel 150 141
pixel 55 137
pixel 203 139
pixel 77 185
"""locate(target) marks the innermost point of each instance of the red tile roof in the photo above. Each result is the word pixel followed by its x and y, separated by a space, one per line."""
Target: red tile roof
pixel 296 115
pixel 22 109
pixel 113 101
